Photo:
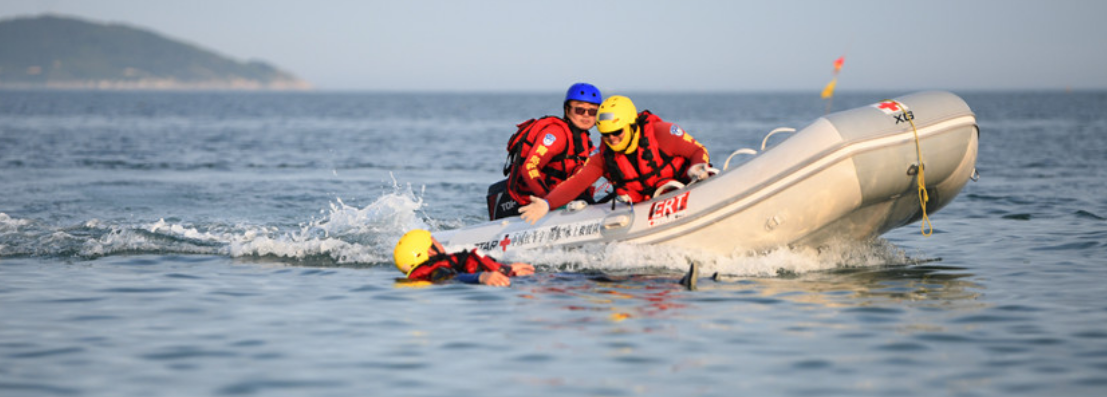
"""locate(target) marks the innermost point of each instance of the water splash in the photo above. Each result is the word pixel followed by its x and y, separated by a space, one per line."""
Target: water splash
pixel 619 258
pixel 347 234
pixel 350 236
pixel 344 234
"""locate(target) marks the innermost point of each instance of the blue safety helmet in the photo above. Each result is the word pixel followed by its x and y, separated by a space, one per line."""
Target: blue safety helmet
pixel 584 92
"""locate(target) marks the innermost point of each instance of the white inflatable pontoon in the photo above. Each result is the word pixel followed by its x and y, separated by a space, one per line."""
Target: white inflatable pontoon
pixel 849 175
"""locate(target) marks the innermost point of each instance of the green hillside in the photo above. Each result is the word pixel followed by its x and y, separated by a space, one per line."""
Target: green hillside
pixel 52 51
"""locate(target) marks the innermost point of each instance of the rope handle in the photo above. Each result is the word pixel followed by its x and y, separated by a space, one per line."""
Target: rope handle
pixel 926 228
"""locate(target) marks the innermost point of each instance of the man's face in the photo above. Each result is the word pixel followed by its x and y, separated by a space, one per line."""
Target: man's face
pixel 582 114
pixel 615 137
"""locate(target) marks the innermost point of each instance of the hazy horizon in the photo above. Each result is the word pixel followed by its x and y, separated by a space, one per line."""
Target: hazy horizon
pixel 625 46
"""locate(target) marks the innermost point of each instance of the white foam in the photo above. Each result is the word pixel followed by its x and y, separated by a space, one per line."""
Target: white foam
pixel 629 258
pixel 101 239
pixel 346 234
pixel 182 231
pixel 11 225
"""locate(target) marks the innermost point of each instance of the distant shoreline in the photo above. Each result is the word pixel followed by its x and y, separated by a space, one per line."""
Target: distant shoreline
pixel 164 85
pixel 53 52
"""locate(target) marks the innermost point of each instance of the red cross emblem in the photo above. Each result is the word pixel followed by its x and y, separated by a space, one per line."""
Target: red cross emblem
pixel 890 107
pixel 505 242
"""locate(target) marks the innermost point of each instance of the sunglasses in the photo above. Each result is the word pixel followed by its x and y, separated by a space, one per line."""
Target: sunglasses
pixel 581 111
pixel 614 133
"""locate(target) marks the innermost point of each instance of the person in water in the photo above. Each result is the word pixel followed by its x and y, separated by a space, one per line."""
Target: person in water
pixel 421 257
pixel 641 153
pixel 545 152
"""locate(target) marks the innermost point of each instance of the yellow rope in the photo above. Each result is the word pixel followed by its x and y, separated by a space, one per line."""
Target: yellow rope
pixel 926 227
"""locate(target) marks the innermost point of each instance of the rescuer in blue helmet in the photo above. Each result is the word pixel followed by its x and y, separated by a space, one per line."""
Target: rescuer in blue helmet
pixel 546 151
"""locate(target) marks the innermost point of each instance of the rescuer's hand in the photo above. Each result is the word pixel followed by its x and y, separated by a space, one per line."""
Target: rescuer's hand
pixel 534 211
pixel 698 172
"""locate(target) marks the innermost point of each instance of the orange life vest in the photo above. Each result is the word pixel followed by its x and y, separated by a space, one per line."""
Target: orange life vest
pixel 560 167
pixel 445 266
pixel 639 174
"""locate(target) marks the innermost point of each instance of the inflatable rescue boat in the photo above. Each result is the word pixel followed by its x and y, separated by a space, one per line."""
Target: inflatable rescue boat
pixel 850 175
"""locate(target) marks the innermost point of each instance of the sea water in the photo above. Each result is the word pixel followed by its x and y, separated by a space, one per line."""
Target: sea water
pixel 184 244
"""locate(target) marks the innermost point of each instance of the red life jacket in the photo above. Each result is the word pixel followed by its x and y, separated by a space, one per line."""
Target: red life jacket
pixel 639 174
pixel 560 167
pixel 444 266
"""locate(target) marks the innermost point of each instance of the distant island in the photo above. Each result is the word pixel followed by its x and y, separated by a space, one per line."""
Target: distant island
pixel 65 53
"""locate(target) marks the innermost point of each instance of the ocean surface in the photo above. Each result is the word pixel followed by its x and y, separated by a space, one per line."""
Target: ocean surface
pixel 227 244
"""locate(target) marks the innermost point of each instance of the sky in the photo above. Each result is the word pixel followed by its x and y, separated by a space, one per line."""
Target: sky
pixel 645 45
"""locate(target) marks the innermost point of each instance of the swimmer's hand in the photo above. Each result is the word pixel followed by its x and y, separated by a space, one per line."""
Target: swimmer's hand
pixel 521 269
pixel 495 279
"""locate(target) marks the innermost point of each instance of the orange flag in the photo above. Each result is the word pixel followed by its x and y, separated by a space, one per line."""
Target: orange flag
pixel 829 90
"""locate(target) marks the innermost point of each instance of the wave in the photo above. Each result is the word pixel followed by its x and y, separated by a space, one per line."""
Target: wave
pixel 346 235
pixel 621 258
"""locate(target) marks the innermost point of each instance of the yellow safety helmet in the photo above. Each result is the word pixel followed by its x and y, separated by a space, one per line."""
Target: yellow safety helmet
pixel 618 113
pixel 412 250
